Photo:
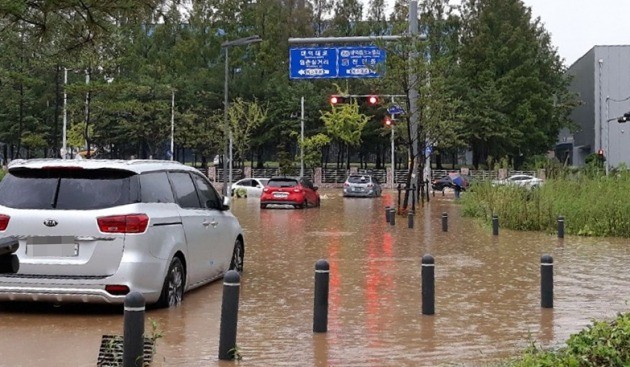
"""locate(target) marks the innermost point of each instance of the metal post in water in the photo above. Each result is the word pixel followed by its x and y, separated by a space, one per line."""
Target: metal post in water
pixel 133 334
pixel 560 227
pixel 410 219
pixel 428 285
pixel 320 307
pixel 495 224
pixel 229 315
pixel 413 197
pixel 426 181
pixel 444 222
pixel 546 281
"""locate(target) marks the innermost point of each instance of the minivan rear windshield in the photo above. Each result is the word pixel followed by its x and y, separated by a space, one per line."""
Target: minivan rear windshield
pixel 59 188
pixel 282 182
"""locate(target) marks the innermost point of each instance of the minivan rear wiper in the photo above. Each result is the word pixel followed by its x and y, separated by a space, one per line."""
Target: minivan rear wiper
pixel 56 195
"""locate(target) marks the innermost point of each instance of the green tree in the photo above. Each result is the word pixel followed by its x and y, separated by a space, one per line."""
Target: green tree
pixel 513 86
pixel 345 123
pixel 244 117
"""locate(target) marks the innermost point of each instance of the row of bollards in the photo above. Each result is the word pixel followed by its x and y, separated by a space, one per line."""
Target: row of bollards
pixel 134 307
pixel 390 217
pixel 495 226
pixel 320 316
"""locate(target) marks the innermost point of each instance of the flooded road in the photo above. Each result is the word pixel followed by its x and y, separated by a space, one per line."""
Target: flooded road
pixel 487 294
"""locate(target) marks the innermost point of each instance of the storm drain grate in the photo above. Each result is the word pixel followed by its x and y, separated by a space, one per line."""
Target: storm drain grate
pixel 110 353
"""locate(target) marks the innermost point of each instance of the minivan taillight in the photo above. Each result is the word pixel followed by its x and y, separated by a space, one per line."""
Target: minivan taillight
pixel 4 221
pixel 131 223
pixel 117 289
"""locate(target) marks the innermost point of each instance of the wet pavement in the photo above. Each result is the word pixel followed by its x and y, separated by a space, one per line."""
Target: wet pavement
pixel 487 294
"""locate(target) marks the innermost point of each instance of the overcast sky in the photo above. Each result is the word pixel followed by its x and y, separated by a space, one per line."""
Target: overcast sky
pixel 578 25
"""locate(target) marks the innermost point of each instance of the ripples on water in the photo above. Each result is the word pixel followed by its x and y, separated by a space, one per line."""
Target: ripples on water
pixel 487 294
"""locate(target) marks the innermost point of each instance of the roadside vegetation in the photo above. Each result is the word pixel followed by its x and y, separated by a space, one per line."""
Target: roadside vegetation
pixel 603 343
pixel 592 203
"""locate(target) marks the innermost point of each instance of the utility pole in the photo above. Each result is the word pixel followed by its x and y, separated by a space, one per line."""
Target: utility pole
pixel 414 116
pixel 302 138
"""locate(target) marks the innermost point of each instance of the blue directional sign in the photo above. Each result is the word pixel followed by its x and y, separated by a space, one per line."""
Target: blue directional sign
pixel 395 110
pixel 313 63
pixel 335 62
pixel 360 62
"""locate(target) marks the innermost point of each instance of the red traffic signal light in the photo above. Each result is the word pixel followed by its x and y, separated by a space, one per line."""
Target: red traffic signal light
pixel 336 99
pixel 600 152
pixel 388 121
pixel 372 100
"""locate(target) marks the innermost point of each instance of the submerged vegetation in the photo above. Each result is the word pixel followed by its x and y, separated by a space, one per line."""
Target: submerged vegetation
pixel 601 344
pixel 592 205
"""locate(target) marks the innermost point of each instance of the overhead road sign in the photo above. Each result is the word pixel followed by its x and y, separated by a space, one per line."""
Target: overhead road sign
pixel 313 63
pixel 335 62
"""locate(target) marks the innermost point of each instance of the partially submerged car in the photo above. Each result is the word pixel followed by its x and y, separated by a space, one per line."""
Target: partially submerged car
pixel 357 185
pixel 95 230
pixel 299 192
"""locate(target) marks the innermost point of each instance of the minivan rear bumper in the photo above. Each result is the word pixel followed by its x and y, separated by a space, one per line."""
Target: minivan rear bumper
pixel 146 278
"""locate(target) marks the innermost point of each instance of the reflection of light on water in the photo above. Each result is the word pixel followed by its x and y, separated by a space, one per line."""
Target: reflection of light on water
pixel 330 234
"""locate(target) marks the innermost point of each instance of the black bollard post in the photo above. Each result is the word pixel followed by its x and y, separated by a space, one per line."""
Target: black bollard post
pixel 229 315
pixel 428 285
pixel 560 227
pixel 133 334
pixel 444 222
pixel 413 198
pixel 426 181
pixel 546 281
pixel 495 225
pixel 392 216
pixel 399 191
pixel 320 308
pixel 387 214
pixel 410 219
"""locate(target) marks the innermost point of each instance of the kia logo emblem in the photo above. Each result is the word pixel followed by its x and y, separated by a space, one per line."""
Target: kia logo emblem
pixel 50 223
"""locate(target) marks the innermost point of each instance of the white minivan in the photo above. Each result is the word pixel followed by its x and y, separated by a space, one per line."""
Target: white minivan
pixel 94 230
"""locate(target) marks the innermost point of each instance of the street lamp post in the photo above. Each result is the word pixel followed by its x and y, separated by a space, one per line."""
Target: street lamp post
pixel 227 164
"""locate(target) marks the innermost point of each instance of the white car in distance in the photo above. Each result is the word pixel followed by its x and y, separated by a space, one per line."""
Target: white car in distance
pixel 526 181
pixel 249 187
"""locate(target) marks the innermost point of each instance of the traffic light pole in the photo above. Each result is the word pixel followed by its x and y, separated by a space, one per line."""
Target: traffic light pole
pixel 414 116
pixel 393 159
pixel 302 138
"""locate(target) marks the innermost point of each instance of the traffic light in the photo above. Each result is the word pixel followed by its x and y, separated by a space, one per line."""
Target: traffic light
pixel 388 121
pixel 337 99
pixel 624 118
pixel 372 100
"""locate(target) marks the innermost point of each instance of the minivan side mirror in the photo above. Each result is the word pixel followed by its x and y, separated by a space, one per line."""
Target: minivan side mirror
pixel 226 203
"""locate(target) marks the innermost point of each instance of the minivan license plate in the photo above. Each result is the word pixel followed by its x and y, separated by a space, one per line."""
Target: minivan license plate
pixel 52 246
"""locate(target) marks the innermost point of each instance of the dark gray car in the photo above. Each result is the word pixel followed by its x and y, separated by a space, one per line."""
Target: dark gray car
pixel 358 185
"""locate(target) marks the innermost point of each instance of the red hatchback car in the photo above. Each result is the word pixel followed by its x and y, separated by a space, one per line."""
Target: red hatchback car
pixel 299 192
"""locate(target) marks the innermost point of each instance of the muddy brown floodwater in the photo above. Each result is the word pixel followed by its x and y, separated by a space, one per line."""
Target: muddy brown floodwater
pixel 487 294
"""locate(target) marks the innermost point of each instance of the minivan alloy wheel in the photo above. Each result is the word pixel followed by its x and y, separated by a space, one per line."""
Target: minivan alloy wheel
pixel 238 256
pixel 173 289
